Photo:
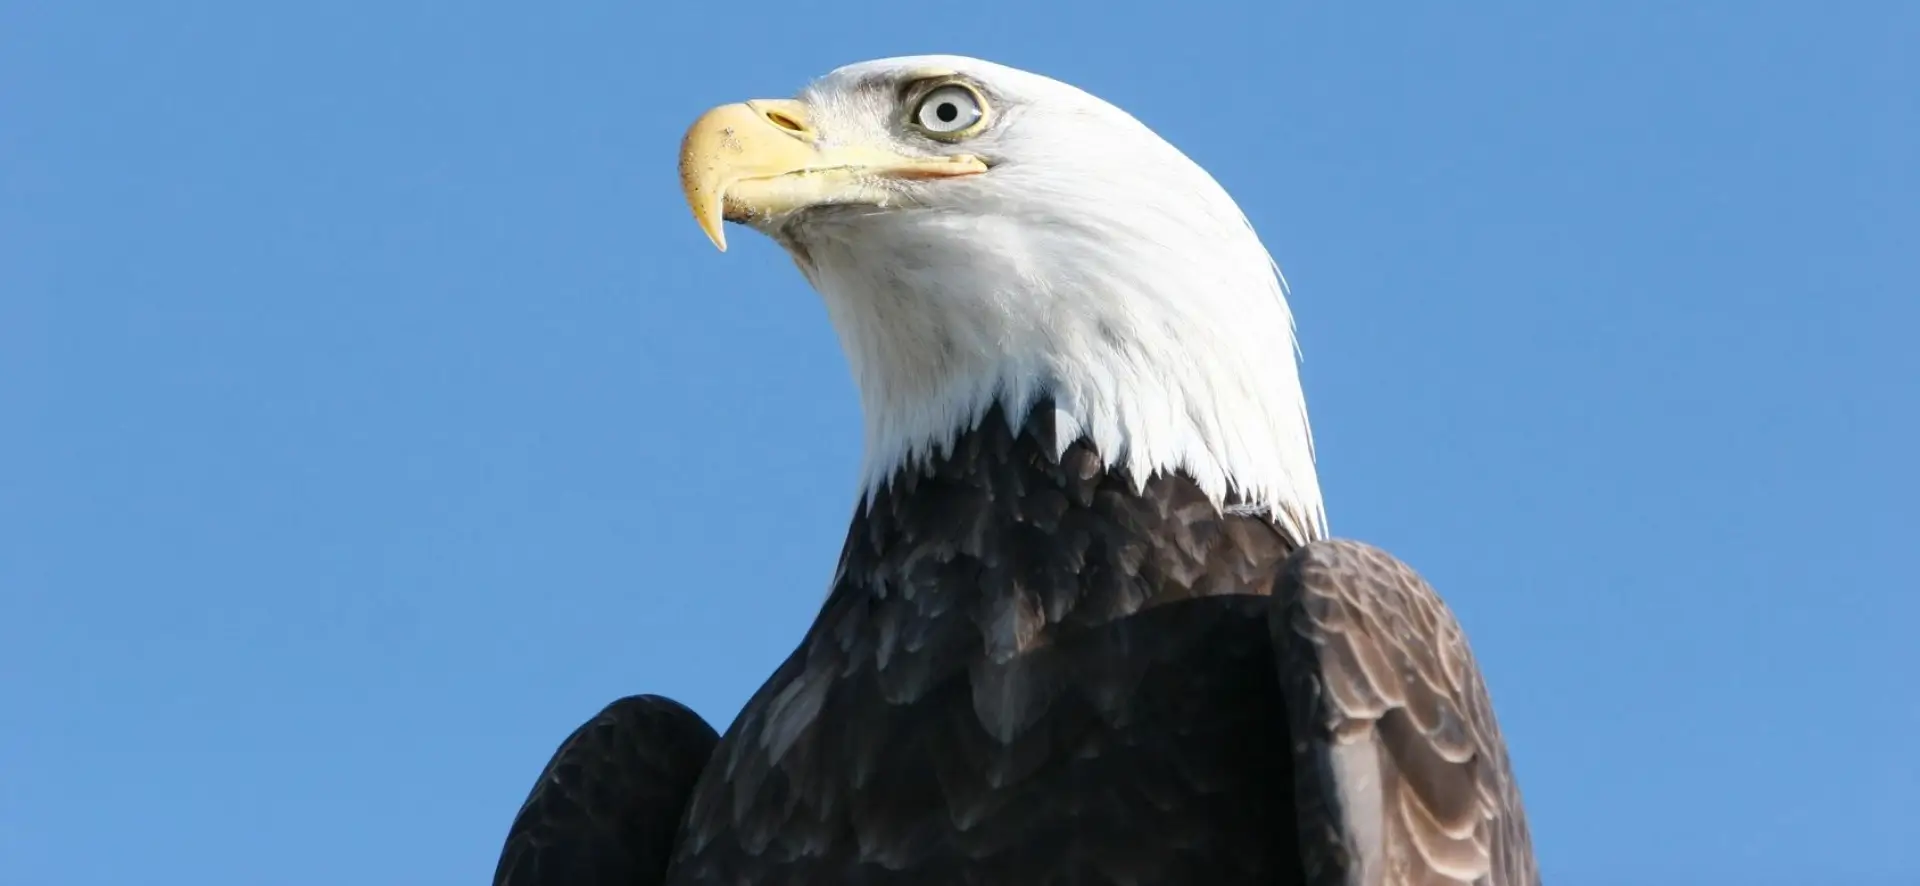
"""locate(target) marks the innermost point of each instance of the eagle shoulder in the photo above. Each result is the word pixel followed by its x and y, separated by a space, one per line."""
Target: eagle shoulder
pixel 1401 774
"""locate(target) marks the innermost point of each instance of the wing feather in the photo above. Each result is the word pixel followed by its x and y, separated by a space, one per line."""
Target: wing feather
pixel 1402 777
pixel 609 804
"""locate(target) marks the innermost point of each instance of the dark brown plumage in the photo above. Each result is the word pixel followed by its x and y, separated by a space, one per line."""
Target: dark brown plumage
pixel 1028 672
pixel 605 811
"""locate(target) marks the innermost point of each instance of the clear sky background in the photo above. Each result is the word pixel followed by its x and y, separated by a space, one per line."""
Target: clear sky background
pixel 372 411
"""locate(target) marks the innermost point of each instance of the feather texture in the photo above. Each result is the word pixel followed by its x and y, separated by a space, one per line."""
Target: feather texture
pixel 1035 671
pixel 1402 774
pixel 1027 672
pixel 1030 672
pixel 606 810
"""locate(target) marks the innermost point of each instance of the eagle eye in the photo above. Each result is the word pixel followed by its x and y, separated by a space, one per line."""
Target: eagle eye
pixel 949 112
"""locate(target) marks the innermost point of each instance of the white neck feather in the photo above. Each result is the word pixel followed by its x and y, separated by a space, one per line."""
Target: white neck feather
pixel 1164 363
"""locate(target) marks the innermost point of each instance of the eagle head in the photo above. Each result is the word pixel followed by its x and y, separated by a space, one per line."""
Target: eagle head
pixel 986 236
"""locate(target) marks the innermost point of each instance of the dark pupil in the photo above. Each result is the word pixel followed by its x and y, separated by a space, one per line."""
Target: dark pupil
pixel 947 112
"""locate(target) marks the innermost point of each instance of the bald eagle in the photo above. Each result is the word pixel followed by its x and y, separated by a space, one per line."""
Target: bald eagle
pixel 1088 626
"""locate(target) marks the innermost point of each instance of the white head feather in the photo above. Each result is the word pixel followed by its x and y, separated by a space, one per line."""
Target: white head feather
pixel 1094 264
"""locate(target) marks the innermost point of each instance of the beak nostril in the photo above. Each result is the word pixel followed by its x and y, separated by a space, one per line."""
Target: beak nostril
pixel 785 122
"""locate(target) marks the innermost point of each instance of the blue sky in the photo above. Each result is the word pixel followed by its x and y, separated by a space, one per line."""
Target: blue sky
pixel 372 411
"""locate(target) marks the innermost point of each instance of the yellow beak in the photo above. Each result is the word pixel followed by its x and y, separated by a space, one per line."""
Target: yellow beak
pixel 762 159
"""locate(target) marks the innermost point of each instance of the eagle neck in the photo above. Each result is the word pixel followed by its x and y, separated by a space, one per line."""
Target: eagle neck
pixel 1031 533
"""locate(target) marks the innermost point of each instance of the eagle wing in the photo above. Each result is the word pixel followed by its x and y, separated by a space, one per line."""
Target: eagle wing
pixel 1401 776
pixel 609 804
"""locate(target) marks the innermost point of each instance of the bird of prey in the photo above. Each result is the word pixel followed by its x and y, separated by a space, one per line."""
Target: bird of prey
pixel 1088 626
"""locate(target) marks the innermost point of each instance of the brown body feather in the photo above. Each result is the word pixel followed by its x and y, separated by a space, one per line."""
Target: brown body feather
pixel 1030 672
